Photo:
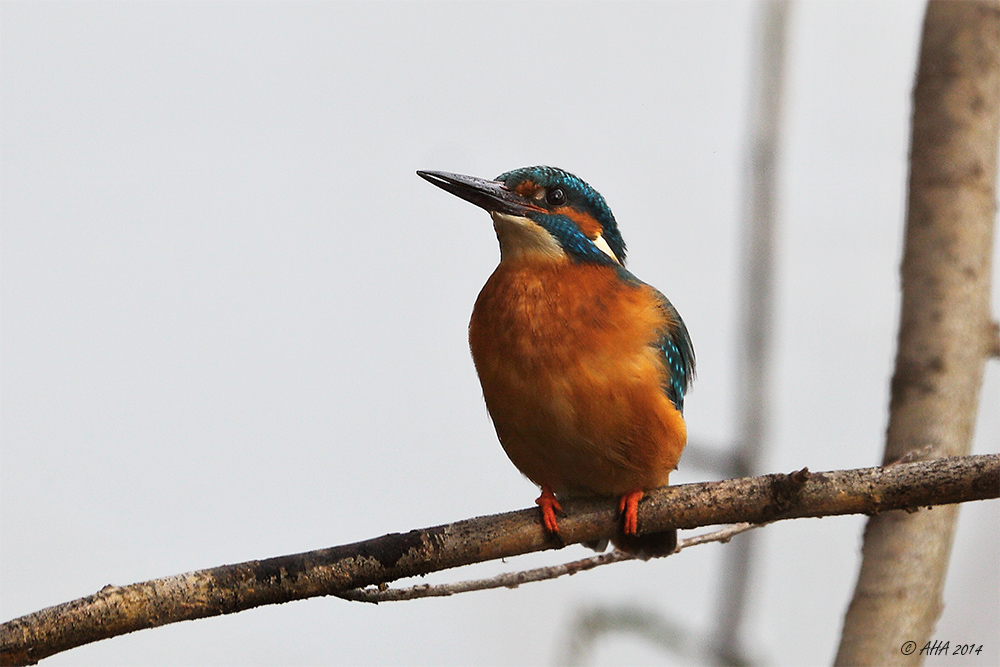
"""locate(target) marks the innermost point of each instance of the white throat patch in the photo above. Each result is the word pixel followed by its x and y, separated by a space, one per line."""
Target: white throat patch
pixel 522 238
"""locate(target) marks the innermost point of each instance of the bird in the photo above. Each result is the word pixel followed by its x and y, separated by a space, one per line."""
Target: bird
pixel 584 367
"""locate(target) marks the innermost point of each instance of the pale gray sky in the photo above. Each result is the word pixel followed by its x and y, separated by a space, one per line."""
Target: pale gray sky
pixel 234 320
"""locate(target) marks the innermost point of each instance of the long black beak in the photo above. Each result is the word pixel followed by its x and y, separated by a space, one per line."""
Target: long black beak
pixel 490 195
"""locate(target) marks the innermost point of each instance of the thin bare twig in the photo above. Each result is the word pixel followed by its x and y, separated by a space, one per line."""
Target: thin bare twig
pixel 515 579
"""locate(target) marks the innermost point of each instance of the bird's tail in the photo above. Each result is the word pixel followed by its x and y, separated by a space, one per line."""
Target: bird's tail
pixel 648 545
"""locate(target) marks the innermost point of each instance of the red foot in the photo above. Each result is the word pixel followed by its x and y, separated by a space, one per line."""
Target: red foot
pixel 629 507
pixel 547 501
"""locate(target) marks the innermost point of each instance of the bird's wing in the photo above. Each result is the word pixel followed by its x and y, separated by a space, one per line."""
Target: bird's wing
pixel 678 354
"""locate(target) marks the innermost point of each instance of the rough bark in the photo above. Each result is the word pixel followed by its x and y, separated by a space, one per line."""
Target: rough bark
pixel 231 588
pixel 946 334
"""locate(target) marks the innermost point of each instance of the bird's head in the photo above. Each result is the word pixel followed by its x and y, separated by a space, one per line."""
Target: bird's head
pixel 542 212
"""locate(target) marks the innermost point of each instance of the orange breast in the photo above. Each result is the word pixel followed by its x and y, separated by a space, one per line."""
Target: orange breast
pixel 568 360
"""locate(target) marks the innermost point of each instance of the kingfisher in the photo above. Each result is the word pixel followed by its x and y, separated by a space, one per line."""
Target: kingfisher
pixel 583 366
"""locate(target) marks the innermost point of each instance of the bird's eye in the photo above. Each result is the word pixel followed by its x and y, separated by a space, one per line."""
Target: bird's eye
pixel 555 197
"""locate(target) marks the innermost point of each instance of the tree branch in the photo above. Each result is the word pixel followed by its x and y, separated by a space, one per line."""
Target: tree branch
pixel 515 579
pixel 945 333
pixel 231 588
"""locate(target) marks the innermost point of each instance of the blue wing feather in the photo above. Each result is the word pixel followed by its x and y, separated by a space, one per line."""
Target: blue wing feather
pixel 678 355
pixel 674 344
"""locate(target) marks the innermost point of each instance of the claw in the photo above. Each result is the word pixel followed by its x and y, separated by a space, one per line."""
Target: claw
pixel 629 508
pixel 547 501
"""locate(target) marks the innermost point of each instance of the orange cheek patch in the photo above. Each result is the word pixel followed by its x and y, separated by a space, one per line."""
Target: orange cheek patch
pixel 587 224
pixel 526 189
